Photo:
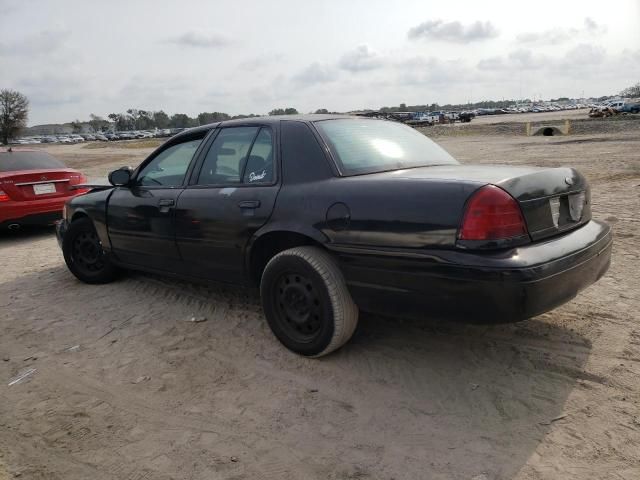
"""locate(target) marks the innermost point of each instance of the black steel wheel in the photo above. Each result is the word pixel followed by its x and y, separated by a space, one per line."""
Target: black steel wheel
pixel 306 301
pixel 87 251
pixel 84 255
pixel 298 305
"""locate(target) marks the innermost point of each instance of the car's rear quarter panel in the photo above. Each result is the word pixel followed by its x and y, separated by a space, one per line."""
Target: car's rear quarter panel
pixel 395 212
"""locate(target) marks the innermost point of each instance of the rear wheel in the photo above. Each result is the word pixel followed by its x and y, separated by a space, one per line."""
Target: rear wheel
pixel 306 301
pixel 83 253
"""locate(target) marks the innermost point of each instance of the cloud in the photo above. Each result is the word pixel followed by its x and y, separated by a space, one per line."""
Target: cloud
pixel 153 91
pixel 586 54
pixel 260 61
pixel 568 68
pixel 592 27
pixel 200 40
pixel 525 59
pixel 454 32
pixel 43 43
pixel 314 74
pixel 361 59
pixel 554 36
pixel 420 71
pixel 557 36
pixel 8 8
pixel 51 88
pixel 491 63
pixel 520 59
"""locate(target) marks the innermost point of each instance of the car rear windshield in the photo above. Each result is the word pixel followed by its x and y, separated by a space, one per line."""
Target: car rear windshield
pixel 13 161
pixel 369 146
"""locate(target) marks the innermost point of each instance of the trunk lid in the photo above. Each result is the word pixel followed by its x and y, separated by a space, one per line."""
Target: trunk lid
pixel 40 184
pixel 552 200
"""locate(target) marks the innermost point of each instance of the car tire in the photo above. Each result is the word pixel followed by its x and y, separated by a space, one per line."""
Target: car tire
pixel 306 301
pixel 84 255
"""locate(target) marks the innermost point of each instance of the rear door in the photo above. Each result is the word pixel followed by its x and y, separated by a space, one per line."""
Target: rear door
pixel 231 195
pixel 140 217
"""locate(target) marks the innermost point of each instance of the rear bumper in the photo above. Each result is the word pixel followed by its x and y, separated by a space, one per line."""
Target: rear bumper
pixel 33 212
pixel 47 218
pixel 504 286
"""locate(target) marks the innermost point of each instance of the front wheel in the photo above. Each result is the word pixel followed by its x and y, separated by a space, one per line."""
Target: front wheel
pixel 83 253
pixel 306 301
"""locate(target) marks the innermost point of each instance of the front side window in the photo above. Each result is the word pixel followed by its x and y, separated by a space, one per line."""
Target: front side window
pixel 169 167
pixel 369 146
pixel 226 158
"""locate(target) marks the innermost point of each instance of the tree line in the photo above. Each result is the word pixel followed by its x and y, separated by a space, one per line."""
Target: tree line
pixel 14 113
pixel 139 119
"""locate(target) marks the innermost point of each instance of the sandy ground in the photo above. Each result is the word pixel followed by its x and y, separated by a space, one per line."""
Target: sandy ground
pixel 533 117
pixel 124 388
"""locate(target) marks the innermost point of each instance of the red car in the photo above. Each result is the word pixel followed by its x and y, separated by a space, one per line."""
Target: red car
pixel 34 187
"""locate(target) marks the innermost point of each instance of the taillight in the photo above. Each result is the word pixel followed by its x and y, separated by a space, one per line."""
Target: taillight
pixel 492 214
pixel 78 180
pixel 4 197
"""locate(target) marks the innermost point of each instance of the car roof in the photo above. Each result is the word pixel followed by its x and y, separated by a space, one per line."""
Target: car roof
pixel 268 120
pixel 312 117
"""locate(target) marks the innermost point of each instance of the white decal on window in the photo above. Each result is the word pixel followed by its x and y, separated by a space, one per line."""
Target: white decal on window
pixel 257 176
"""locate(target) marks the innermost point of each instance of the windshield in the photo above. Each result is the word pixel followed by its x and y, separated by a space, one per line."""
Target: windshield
pixel 14 161
pixel 369 146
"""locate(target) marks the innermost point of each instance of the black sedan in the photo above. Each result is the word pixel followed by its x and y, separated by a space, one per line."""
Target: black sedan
pixel 331 214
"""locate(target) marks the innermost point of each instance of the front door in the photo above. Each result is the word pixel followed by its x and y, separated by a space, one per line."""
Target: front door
pixel 141 217
pixel 231 197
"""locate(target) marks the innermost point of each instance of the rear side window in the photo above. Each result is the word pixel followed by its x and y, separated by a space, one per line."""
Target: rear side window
pixel 369 146
pixel 226 158
pixel 14 161
pixel 259 166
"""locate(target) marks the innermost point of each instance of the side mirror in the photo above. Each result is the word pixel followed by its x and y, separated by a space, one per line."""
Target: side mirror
pixel 121 176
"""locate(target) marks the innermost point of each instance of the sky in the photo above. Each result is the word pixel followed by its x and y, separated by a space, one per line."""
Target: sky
pixel 76 57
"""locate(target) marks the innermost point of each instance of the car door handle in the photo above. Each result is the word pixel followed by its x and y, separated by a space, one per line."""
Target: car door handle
pixel 249 204
pixel 166 202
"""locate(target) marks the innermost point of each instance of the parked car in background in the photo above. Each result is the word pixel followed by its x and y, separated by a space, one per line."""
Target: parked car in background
pixel 33 187
pixel 331 214
pixel 100 137
pixel 616 105
pixel 466 117
pixel 629 108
